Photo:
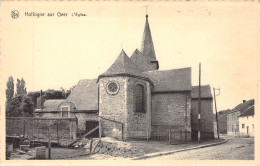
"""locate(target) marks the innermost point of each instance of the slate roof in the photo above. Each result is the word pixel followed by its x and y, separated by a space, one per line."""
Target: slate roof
pixel 248 112
pixel 224 112
pixel 147 47
pixel 85 95
pixel 243 106
pixel 51 105
pixel 123 65
pixel 141 62
pixel 205 92
pixel 170 80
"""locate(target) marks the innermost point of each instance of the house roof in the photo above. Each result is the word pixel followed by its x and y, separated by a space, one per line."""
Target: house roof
pixel 205 92
pixel 141 62
pixel 170 80
pixel 51 105
pixel 243 106
pixel 248 112
pixel 85 95
pixel 223 112
pixel 147 47
pixel 123 65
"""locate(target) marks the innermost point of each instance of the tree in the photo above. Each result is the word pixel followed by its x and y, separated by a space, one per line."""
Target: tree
pixel 18 89
pixel 10 89
pixel 22 87
pixel 19 106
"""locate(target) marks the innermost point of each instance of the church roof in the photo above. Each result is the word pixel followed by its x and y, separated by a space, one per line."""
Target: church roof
pixel 85 95
pixel 205 92
pixel 147 47
pixel 123 65
pixel 170 80
pixel 141 62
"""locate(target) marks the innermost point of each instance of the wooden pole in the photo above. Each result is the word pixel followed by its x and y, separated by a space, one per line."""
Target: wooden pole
pixel 58 131
pixel 122 131
pixel 147 135
pixel 90 148
pixel 181 134
pixel 100 129
pixel 170 135
pixel 199 106
pixel 216 112
pixel 49 143
pixel 24 127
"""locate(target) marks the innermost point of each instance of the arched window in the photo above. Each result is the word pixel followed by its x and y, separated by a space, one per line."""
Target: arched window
pixel 139 91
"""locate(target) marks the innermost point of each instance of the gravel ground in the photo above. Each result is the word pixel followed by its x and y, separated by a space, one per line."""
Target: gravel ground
pixel 148 147
pixel 234 149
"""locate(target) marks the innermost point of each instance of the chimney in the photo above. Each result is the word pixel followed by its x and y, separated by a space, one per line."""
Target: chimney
pixel 40 101
pixel 244 101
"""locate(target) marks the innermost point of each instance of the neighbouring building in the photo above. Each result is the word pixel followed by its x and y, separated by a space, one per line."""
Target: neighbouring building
pixel 133 97
pixel 246 122
pixel 222 121
pixel 233 117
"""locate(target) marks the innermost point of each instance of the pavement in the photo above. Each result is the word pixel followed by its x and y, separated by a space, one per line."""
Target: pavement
pixel 183 148
pixel 235 148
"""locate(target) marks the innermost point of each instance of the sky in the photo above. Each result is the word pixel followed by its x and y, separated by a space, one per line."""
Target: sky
pixel 55 52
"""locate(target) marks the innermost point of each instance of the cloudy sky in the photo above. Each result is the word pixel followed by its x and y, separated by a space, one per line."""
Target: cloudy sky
pixel 54 52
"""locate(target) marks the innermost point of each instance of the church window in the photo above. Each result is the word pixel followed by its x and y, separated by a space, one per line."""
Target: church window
pixel 112 88
pixel 139 91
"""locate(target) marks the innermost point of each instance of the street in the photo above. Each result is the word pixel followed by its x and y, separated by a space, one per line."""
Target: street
pixel 234 149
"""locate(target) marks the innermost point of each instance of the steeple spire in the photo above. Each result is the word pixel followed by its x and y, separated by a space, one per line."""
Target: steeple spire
pixel 147 47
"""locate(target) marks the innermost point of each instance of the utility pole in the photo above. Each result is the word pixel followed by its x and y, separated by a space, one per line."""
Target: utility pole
pixel 216 109
pixel 199 106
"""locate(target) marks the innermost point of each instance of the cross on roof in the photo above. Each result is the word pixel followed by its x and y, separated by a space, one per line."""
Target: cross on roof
pixel 146 7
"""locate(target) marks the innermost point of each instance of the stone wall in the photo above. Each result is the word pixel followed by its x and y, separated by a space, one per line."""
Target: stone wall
pixel 171 109
pixel 207 128
pixel 112 107
pixel 233 123
pixel 222 124
pixel 82 118
pixel 138 124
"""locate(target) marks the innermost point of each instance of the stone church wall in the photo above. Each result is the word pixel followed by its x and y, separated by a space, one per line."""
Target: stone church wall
pixel 207 128
pixel 112 107
pixel 171 110
pixel 138 123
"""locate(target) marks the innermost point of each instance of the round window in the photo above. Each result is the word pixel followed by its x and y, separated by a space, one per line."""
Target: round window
pixel 112 88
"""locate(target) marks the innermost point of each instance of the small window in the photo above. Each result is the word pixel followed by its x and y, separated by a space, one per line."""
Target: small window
pixel 64 112
pixel 243 125
pixel 253 126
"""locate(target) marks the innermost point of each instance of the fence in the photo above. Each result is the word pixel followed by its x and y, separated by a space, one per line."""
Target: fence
pixel 41 128
pixel 112 128
pixel 171 134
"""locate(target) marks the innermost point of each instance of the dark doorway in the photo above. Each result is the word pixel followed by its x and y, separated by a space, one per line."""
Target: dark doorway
pixel 247 130
pixel 91 125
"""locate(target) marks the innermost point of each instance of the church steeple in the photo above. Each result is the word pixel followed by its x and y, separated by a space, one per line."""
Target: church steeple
pixel 147 47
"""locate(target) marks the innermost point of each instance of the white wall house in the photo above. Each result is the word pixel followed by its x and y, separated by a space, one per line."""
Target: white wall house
pixel 246 122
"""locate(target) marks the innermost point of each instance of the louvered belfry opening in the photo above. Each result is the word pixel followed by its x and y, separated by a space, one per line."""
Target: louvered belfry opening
pixel 139 98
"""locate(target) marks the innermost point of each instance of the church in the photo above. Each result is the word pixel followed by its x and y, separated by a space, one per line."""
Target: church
pixel 133 98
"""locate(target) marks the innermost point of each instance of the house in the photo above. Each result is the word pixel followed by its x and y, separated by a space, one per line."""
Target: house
pixel 133 98
pixel 246 122
pixel 233 117
pixel 222 122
